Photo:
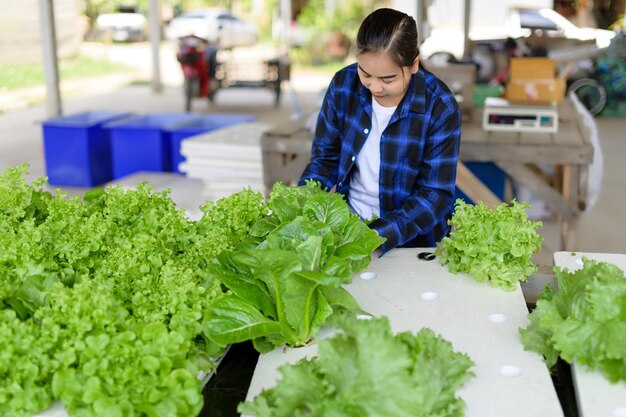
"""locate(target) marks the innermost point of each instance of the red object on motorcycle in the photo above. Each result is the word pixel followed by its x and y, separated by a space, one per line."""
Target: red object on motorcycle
pixel 194 56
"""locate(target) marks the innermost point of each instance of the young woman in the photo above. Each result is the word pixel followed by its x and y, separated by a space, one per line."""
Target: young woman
pixel 387 136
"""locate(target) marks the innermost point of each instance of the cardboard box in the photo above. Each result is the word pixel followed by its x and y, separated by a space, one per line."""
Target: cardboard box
pixel 533 81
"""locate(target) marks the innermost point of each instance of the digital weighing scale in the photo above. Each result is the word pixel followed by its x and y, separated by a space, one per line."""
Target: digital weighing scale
pixel 500 115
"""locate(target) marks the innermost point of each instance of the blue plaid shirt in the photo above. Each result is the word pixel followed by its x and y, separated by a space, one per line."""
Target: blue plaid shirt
pixel 418 154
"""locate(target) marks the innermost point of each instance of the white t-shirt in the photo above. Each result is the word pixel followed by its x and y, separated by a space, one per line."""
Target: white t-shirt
pixel 363 195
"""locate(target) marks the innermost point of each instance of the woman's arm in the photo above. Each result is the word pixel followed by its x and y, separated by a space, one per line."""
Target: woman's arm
pixel 326 146
pixel 432 199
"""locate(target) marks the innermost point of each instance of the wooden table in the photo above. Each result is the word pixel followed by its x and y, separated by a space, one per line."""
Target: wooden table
pixel 286 151
pixel 595 395
pixel 476 318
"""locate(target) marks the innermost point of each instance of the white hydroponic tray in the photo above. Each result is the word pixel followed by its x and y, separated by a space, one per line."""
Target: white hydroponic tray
pixel 595 395
pixel 218 171
pixel 476 318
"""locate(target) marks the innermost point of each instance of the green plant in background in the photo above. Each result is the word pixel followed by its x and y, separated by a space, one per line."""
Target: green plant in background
pixel 366 370
pixel 92 8
pixel 491 245
pixel 14 76
pixel 282 290
pixel 332 35
pixel 346 17
pixel 584 322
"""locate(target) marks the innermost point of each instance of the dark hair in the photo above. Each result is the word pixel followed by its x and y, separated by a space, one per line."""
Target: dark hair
pixel 389 30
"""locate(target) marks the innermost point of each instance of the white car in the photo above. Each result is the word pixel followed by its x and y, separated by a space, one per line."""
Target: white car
pixel 123 27
pixel 536 27
pixel 216 25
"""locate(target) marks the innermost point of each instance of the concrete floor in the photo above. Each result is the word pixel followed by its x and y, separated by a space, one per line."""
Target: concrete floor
pixel 602 229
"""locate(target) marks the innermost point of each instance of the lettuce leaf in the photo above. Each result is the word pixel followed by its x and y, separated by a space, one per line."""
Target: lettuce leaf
pixel 491 245
pixel 311 245
pixel 584 322
pixel 365 370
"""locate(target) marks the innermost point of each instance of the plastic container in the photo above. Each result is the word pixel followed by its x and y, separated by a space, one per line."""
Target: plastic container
pixel 143 143
pixel 482 91
pixel 490 175
pixel 77 149
pixel 202 125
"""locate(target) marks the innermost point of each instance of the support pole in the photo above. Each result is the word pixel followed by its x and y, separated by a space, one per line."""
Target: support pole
pixel 421 18
pixel 50 63
pixel 285 16
pixel 466 27
pixel 154 26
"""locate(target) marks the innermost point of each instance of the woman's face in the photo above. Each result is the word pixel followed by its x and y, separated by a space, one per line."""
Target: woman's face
pixel 384 78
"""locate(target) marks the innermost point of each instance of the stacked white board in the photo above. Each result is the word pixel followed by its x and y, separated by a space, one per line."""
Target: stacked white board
pixel 226 160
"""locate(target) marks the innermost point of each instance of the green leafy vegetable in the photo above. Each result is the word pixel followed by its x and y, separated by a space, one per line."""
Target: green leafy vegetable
pixel 285 288
pixel 491 245
pixel 365 370
pixel 102 298
pixel 25 366
pixel 584 322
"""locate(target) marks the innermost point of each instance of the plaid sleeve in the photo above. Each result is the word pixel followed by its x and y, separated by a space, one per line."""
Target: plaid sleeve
pixel 326 147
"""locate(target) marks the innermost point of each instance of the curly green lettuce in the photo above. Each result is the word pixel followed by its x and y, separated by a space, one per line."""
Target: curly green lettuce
pixel 102 297
pixel 491 245
pixel 366 370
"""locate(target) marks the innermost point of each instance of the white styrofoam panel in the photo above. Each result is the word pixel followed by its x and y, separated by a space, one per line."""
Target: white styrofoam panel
pixel 596 396
pixel 476 318
pixel 222 151
pixel 234 186
pixel 241 141
pixel 226 163
pixel 239 134
pixel 216 173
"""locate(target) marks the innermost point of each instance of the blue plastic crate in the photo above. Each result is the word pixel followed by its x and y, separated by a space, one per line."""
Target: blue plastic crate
pixel 142 143
pixel 489 174
pixel 197 127
pixel 77 149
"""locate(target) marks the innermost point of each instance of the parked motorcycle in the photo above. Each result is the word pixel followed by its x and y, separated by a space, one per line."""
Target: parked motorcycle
pixel 204 75
pixel 198 60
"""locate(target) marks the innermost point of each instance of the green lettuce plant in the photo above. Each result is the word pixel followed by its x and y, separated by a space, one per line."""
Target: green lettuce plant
pixel 283 289
pixel 584 322
pixel 102 297
pixel 25 366
pixel 491 245
pixel 365 370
